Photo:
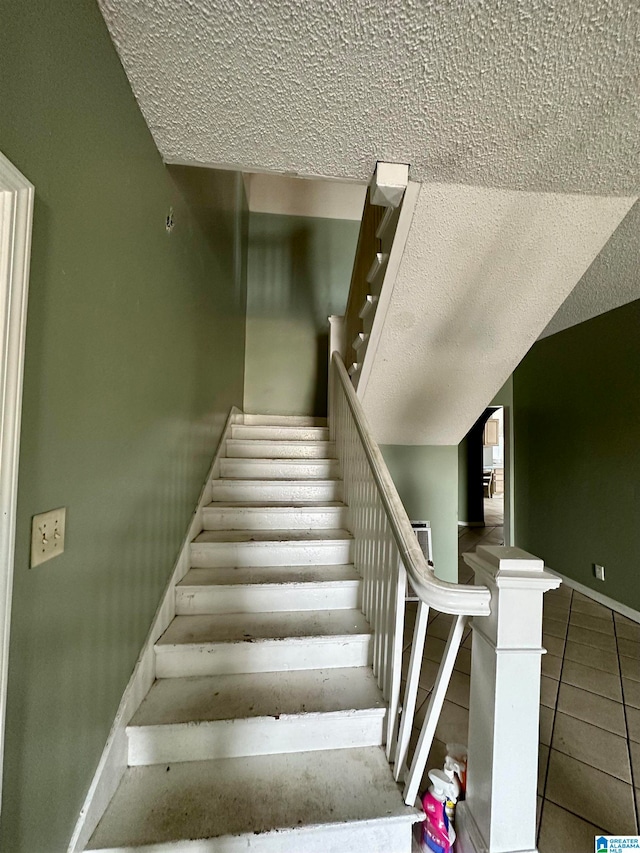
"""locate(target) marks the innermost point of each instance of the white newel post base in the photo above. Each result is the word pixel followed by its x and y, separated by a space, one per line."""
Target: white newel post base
pixel 499 813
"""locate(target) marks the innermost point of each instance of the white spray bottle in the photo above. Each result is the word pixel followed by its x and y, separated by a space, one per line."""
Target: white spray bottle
pixel 453 771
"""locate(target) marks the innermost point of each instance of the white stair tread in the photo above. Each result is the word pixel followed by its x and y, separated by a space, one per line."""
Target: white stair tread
pixel 249 627
pixel 280 505
pixel 290 461
pixel 283 420
pixel 269 448
pixel 249 796
pixel 320 517
pixel 261 694
pixel 238 468
pixel 271 535
pixel 282 484
pixel 281 432
pixel 239 576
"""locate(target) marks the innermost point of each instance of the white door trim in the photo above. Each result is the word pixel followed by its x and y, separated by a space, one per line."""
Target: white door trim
pixel 16 213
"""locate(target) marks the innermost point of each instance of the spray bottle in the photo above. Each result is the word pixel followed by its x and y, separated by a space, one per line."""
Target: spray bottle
pixel 457 752
pixel 438 835
pixel 453 771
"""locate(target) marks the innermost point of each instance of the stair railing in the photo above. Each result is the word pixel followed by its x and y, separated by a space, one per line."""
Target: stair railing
pixel 363 287
pixel 381 215
pixel 503 718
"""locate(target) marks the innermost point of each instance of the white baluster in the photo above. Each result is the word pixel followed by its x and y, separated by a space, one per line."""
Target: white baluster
pixel 411 690
pixel 396 657
pixel 390 581
pixel 433 710
pixel 499 812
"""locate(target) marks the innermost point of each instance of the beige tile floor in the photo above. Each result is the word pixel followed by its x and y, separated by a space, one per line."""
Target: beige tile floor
pixel 589 759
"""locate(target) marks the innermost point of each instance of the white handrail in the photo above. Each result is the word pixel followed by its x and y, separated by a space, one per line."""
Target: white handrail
pixel 456 599
pixel 506 605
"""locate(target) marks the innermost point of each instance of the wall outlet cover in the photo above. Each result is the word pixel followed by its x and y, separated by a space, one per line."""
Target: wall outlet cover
pixel 47 535
pixel 598 571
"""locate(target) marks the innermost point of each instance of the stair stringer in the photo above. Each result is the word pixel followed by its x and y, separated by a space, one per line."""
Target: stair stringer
pixel 114 759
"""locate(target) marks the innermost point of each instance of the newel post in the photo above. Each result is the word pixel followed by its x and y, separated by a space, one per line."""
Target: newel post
pixel 337 332
pixel 499 813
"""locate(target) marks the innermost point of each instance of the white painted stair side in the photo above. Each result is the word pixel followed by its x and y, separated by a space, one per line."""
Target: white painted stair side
pixel 274 491
pixel 255 589
pixel 327 801
pixel 263 642
pixel 193 719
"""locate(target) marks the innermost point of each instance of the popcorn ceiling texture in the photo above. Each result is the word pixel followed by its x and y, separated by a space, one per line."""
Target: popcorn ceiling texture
pixel 483 272
pixel 521 94
pixel 489 96
pixel 612 280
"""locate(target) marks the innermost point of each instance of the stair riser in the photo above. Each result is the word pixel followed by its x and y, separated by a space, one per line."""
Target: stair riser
pixel 274 469
pixel 256 736
pixel 390 835
pixel 274 450
pixel 273 518
pixel 280 433
pixel 256 598
pixel 285 492
pixel 262 656
pixel 284 420
pixel 314 553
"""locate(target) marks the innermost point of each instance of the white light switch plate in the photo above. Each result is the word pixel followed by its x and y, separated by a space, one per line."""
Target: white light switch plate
pixel 47 535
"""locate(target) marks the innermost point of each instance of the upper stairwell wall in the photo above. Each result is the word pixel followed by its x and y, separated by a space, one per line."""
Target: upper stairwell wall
pixel 483 272
pixel 134 356
pixel 299 273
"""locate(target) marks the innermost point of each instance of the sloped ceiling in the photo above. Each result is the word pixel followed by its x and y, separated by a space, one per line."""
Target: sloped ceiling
pixel 521 94
pixel 612 280
pixel 482 273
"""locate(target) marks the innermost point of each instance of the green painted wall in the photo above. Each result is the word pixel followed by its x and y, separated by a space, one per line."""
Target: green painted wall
pixel 135 353
pixel 577 442
pixel 299 274
pixel 427 482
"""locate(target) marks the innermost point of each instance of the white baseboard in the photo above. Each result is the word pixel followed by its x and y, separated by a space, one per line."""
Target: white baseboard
pixel 471 524
pixel 611 603
pixel 113 761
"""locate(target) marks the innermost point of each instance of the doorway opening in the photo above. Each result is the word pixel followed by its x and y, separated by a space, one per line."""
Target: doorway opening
pixel 483 478
pixel 493 469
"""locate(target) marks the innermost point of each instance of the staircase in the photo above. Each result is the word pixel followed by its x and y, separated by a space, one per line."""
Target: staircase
pixel 264 728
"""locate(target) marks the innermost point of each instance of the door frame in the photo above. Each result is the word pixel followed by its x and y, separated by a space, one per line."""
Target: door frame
pixel 16 216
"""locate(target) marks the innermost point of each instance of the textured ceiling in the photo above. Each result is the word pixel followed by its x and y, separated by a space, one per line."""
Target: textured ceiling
pixel 525 94
pixel 613 279
pixel 483 272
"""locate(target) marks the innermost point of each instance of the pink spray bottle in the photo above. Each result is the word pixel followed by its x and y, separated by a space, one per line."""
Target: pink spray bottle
pixel 437 832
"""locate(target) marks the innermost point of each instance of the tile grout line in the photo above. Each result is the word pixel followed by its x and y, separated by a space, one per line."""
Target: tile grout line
pixel 553 723
pixel 626 723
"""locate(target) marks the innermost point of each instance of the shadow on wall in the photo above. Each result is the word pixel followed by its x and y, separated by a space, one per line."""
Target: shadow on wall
pixel 299 274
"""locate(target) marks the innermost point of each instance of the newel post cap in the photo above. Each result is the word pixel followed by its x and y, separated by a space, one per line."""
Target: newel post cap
pixel 389 183
pixel 510 566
